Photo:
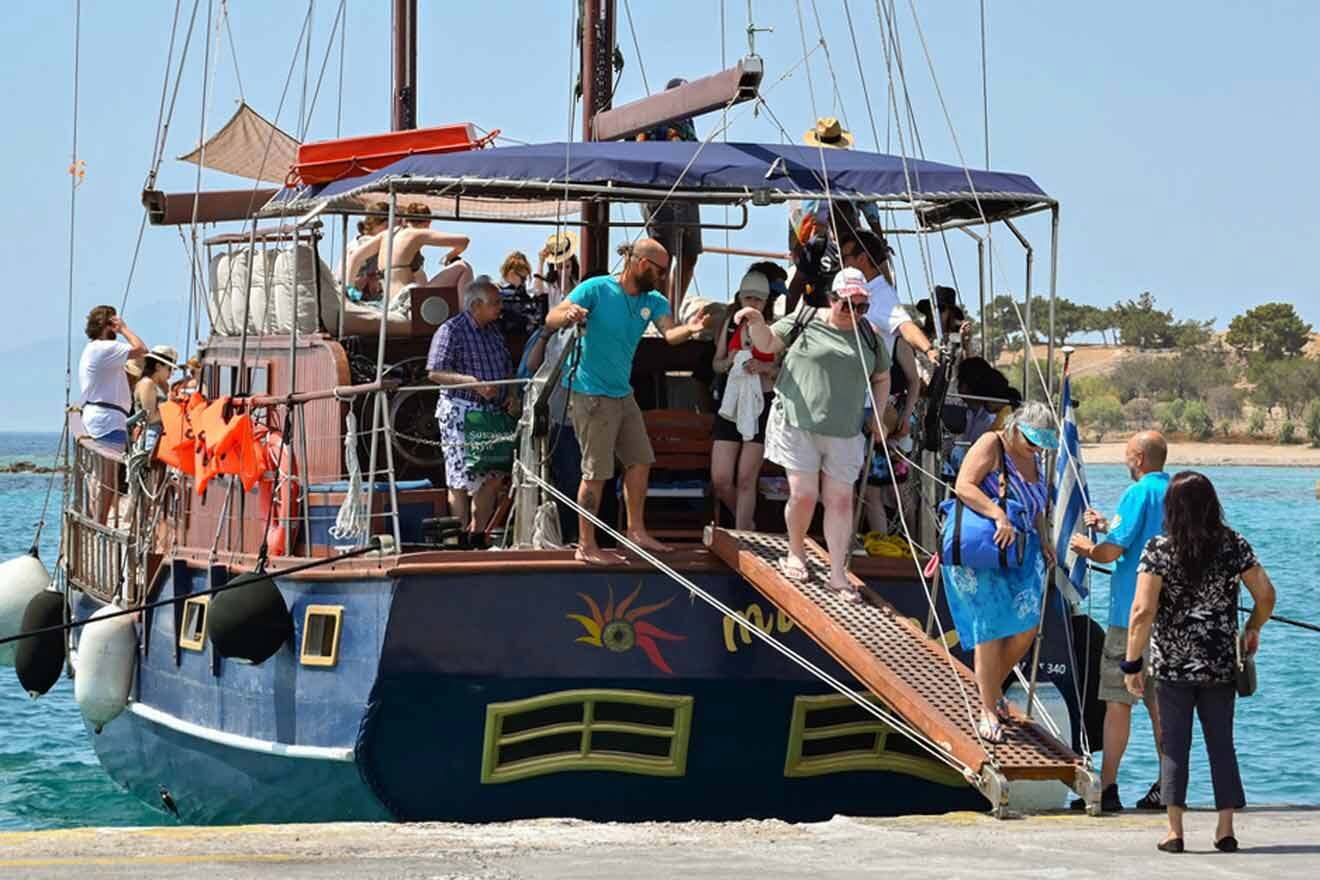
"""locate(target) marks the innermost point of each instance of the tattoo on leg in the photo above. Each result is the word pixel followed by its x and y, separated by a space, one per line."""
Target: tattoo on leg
pixel 590 501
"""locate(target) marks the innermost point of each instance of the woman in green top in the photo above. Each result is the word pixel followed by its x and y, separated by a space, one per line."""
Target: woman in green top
pixel 814 429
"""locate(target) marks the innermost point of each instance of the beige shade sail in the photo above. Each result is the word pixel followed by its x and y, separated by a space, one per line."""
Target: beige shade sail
pixel 241 148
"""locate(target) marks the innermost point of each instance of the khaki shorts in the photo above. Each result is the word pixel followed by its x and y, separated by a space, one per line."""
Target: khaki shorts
pixel 1112 689
pixel 608 428
pixel 797 450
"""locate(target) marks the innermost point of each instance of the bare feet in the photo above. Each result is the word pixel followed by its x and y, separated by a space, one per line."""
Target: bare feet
pixel 593 556
pixel 646 542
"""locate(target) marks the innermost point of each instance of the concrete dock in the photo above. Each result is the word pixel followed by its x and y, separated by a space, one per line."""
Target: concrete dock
pixel 1277 843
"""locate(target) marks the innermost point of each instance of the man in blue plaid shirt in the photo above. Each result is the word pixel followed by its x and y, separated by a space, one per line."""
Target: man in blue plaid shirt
pixel 467 349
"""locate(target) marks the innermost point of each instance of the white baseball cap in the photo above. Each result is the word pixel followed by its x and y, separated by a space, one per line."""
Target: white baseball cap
pixel 849 283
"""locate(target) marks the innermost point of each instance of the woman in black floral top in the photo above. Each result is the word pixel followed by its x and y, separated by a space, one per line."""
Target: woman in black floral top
pixel 1187 587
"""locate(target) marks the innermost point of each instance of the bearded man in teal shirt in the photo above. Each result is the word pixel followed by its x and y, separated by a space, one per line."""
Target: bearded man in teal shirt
pixel 1140 517
pixel 615 312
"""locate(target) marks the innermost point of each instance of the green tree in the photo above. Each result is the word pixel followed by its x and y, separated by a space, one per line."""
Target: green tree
pixel 1102 414
pixel 1139 413
pixel 1169 415
pixel 1287 433
pixel 1273 330
pixel 1289 383
pixel 1197 420
pixel 1098 320
pixel 1224 402
pixel 1142 325
pixel 1312 421
pixel 1190 333
pixel 1256 424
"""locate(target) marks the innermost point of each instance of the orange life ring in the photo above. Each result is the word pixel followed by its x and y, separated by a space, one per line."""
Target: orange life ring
pixel 279 493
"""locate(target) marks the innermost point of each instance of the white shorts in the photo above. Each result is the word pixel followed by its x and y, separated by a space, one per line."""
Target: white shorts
pixel 797 450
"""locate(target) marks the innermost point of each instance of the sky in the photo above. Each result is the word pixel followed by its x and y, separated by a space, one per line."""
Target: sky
pixel 1177 136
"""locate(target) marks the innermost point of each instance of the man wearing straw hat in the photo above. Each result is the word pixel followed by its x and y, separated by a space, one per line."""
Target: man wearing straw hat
pixel 615 312
pixel 810 222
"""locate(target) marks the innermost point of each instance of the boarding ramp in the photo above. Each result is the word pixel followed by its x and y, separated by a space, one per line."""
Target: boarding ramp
pixel 911 674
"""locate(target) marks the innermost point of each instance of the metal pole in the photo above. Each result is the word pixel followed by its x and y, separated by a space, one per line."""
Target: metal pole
pixel 1031 256
pixel 383 406
pixel 380 350
pixel 344 280
pixel 980 284
pixel 1054 281
pixel 597 52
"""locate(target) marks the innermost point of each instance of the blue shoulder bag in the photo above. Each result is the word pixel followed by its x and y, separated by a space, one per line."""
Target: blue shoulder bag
pixel 967 538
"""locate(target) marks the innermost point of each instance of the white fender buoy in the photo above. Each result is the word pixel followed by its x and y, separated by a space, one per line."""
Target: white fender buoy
pixel 21 579
pixel 107 651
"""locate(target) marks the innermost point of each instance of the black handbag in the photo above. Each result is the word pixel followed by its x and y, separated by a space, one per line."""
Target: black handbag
pixel 1246 670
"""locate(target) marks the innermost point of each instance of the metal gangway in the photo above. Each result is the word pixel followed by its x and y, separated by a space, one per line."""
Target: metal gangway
pixel 908 672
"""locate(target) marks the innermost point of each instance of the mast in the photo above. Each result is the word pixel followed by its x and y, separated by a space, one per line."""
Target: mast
pixel 597 88
pixel 403 113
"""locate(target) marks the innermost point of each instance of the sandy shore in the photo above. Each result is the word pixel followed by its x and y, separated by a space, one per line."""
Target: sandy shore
pixel 1207 454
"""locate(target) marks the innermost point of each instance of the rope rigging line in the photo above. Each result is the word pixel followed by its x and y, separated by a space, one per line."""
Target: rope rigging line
pixel 325 61
pixel 303 114
pixel 198 291
pixel 637 49
pixel 233 49
pixel 882 714
pixel 1027 347
pixel 877 412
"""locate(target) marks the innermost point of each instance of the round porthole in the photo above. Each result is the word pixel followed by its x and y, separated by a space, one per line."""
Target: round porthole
pixel 435 311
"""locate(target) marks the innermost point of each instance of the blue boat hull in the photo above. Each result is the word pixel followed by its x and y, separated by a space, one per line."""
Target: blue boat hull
pixel 431 712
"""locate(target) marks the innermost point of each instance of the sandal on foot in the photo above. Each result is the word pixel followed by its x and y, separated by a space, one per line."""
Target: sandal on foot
pixel 1227 844
pixel 793 569
pixel 1172 845
pixel 990 729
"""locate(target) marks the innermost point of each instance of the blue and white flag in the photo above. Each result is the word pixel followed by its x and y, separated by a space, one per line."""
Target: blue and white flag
pixel 1070 500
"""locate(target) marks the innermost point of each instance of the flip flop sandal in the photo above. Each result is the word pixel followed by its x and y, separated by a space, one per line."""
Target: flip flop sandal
pixel 793 570
pixel 990 730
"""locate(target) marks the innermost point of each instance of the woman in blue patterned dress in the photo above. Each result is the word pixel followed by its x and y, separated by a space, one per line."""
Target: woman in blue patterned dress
pixel 997 611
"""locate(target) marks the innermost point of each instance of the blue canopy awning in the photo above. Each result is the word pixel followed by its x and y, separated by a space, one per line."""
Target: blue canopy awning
pixel 711 172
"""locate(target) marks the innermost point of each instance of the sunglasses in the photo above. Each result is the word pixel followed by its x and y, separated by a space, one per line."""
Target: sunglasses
pixel 664 270
pixel 851 303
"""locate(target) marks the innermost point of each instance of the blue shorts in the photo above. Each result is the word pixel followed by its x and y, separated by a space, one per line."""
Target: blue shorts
pixel 117 438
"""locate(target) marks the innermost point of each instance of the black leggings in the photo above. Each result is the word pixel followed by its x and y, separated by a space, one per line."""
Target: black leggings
pixel 1214 706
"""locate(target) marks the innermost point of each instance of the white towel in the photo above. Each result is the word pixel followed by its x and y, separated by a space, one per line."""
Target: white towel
pixel 743 400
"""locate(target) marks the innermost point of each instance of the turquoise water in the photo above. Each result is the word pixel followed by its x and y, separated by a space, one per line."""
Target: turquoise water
pixel 50 778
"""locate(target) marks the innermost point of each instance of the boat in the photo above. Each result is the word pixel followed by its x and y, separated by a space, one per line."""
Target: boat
pixel 415 677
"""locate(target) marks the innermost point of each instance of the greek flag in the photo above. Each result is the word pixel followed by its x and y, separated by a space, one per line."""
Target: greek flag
pixel 1070 500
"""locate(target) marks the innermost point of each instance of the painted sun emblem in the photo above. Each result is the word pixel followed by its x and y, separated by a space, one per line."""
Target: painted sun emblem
pixel 621 628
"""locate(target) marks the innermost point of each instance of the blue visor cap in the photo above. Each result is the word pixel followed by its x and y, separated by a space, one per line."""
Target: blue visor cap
pixel 1045 438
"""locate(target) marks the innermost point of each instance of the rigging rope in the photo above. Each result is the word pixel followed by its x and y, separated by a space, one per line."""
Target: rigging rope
pixel 233 49
pixel 637 49
pixel 879 712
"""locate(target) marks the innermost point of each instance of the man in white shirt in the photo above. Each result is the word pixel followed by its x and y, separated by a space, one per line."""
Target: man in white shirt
pixel 868 253
pixel 106 395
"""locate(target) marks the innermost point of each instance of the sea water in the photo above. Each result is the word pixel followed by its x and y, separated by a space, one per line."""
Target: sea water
pixel 50 778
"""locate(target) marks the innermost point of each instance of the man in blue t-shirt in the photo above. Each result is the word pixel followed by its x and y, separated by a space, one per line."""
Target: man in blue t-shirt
pixel 614 313
pixel 1140 517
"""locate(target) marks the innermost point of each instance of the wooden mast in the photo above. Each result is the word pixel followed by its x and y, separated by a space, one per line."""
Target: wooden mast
pixel 597 87
pixel 403 113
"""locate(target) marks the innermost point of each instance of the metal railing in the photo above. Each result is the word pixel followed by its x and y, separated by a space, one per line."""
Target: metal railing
pixel 99 526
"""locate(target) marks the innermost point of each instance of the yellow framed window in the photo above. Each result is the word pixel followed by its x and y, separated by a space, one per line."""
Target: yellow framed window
pixel 192 635
pixel 322 630
pixel 612 730
pixel 832 734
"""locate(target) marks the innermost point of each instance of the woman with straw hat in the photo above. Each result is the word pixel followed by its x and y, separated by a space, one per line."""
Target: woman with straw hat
pixel 562 275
